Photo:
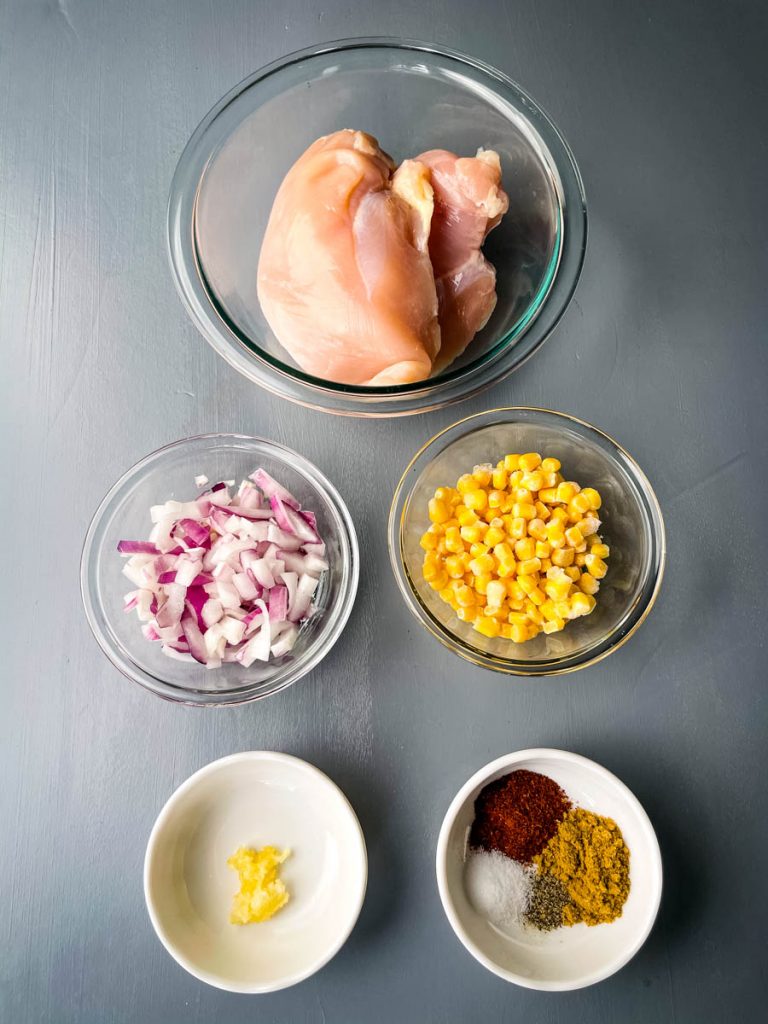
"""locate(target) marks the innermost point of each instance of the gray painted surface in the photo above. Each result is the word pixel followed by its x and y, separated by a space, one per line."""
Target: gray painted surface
pixel 663 348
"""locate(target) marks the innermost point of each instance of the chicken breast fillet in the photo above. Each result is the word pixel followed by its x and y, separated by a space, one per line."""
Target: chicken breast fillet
pixel 345 279
pixel 468 203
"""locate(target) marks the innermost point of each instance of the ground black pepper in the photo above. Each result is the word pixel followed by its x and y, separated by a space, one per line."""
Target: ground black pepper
pixel 548 899
pixel 518 814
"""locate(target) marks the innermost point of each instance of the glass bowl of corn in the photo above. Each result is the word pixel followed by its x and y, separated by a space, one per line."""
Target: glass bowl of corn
pixel 527 541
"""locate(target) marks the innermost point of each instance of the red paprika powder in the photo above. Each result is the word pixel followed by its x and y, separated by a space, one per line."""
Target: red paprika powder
pixel 518 814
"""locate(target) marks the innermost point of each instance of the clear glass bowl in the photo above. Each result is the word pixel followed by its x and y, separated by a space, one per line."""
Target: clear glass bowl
pixel 632 526
pixel 413 97
pixel 124 514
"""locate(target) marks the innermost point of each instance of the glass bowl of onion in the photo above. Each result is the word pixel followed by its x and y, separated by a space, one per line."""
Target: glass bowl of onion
pixel 219 569
pixel 629 522
pixel 413 98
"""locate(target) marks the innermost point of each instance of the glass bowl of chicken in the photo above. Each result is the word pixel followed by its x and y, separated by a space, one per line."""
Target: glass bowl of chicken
pixel 376 227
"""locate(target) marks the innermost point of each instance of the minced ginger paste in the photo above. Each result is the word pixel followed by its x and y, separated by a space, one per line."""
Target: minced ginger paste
pixel 262 892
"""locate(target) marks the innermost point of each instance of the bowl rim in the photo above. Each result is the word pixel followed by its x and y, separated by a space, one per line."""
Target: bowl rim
pixel 295 385
pixel 323 642
pixel 166 813
pixel 573 663
pixel 444 890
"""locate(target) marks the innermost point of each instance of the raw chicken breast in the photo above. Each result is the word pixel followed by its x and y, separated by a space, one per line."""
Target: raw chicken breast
pixel 345 279
pixel 469 201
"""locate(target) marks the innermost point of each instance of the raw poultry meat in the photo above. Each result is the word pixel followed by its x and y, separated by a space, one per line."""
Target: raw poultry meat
pixel 468 203
pixel 345 278
pixel 371 275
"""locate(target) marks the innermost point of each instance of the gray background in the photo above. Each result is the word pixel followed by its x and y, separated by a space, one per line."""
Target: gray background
pixel 663 347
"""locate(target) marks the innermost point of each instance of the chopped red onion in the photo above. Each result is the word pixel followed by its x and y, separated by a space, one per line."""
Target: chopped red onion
pixel 225 579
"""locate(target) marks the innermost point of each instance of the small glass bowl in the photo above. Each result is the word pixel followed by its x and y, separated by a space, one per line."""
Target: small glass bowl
pixel 168 474
pixel 632 526
pixel 412 97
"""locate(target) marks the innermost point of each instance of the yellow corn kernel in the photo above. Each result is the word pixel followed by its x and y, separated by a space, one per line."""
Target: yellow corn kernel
pixel 573 572
pixel 588 584
pixel 600 549
pixel 453 540
pixel 506 569
pixel 546 563
pixel 518 527
pixel 566 490
pixel 465 597
pixel 440 581
pixel 473 534
pixel 499 478
pixel 487 626
pixel 595 566
pixel 490 514
pixel 518 618
pixel 555 531
pixel 543 549
pixel 514 479
pixel 477 500
pixel 454 567
pixel 478 549
pixel 558 589
pixel 563 557
pixel 523 496
pixel 448 494
pixel 503 552
pixel 582 604
pixel 468 614
pixel 481 585
pixel 482 474
pixel 549 480
pixel 511 463
pixel 438 510
pixel 595 501
pixel 505 631
pixel 533 481
pixel 498 612
pixel 550 465
pixel 494 535
pixel 530 461
pixel 526 584
pixel 465 516
pixel 428 541
pixel 548 494
pixel 466 483
pixel 447 595
pixel 574 537
pixel 563 608
pixel 553 625
pixel 525 548
pixel 496 499
pixel 537 529
pixel 529 566
pixel 542 512
pixel 496 593
pixel 579 503
pixel 547 609
pixel 523 510
pixel 589 525
pixel 519 634
pixel 560 514
pixel 580 559
pixel 514 591
pixel 535 598
pixel 482 565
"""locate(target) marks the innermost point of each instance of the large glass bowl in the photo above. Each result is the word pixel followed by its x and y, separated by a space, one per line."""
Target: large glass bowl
pixel 631 525
pixel 412 97
pixel 169 473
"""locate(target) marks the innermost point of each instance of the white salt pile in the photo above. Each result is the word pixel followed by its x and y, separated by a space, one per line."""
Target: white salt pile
pixel 498 887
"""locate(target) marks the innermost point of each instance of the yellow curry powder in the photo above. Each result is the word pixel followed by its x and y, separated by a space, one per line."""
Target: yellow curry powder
pixel 589 857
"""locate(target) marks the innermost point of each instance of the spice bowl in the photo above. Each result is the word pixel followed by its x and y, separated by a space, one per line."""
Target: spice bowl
pixel 254 799
pixel 169 473
pixel 632 526
pixel 565 958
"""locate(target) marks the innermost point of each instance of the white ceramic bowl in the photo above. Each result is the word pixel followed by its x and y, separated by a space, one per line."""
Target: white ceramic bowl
pixel 254 799
pixel 567 958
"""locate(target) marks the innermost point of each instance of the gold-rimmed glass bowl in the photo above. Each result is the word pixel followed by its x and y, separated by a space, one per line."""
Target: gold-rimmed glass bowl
pixel 632 526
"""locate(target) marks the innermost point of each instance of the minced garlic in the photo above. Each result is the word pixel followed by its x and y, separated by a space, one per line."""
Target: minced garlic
pixel 262 892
